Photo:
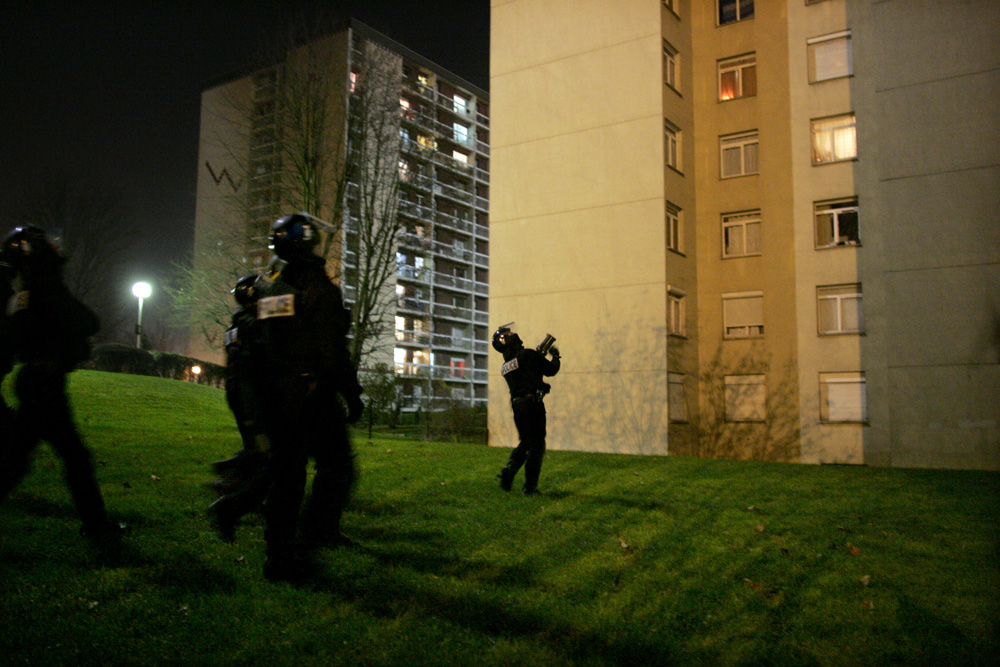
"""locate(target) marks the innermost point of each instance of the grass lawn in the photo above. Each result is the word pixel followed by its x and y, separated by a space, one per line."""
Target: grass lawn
pixel 621 560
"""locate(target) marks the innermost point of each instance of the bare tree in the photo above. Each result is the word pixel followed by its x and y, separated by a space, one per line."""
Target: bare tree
pixel 319 134
pixel 95 232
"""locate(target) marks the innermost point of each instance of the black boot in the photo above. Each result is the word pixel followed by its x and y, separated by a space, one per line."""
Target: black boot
pixel 507 477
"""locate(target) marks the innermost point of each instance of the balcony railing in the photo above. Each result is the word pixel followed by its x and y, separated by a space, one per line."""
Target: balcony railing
pixel 440 341
pixel 412 304
pixel 452 312
pixel 414 337
pixel 453 192
pixel 455 282
pixel 453 222
pixel 408 272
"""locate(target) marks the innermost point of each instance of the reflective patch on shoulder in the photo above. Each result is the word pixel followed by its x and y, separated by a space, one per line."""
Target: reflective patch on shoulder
pixel 282 305
pixel 511 365
pixel 232 336
pixel 18 302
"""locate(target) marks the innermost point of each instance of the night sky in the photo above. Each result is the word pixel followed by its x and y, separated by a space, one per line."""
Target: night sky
pixel 110 92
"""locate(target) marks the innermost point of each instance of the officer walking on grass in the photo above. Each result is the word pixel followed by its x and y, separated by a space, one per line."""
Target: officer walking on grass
pixel 305 366
pixel 523 370
pixel 50 331
pixel 243 481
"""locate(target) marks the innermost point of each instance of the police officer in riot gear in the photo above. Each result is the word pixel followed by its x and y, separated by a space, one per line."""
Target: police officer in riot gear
pixel 305 366
pixel 523 370
pixel 50 330
pixel 6 356
pixel 243 481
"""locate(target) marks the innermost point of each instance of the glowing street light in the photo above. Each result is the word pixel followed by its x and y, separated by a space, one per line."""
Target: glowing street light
pixel 141 291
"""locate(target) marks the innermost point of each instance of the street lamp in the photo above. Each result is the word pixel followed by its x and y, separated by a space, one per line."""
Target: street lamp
pixel 141 291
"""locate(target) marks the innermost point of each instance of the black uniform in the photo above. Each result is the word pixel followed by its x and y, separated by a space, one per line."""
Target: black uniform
pixel 523 370
pixel 244 479
pixel 305 365
pixel 6 358
pixel 50 330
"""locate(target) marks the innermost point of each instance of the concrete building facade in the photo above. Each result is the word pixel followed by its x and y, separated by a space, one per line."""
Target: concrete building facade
pixel 438 331
pixel 758 229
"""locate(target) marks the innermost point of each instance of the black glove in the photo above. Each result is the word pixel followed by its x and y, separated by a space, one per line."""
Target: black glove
pixel 355 407
pixel 554 351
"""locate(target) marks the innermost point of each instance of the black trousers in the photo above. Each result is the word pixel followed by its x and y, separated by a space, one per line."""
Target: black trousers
pixel 529 418
pixel 305 421
pixel 44 414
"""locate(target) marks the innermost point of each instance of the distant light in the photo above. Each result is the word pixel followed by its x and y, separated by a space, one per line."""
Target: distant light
pixel 142 290
pixel 196 370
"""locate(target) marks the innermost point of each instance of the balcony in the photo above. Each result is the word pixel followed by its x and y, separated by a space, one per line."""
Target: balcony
pixel 482 230
pixel 453 222
pixel 482 175
pixel 412 304
pixel 443 342
pixel 453 193
pixel 452 251
pixel 407 272
pixel 421 338
pixel 482 147
pixel 454 282
pixel 415 210
pixel 452 312
pixel 452 164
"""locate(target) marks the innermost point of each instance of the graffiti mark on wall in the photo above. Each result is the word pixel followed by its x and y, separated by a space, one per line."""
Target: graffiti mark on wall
pixel 224 174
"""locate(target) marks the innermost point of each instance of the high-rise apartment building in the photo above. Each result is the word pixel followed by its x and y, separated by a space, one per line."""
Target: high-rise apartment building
pixel 439 142
pixel 759 229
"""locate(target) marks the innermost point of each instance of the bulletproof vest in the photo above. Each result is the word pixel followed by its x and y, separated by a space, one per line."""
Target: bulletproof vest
pixel 522 373
pixel 280 327
pixel 49 324
pixel 242 340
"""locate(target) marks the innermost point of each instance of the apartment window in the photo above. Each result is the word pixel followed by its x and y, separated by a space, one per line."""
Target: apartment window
pixel 676 399
pixel 731 11
pixel 672 6
pixel 675 312
pixel 830 56
pixel 741 234
pixel 843 397
pixel 837 223
pixel 675 230
pixel 671 145
pixel 743 314
pixel 459 156
pixel 671 70
pixel 745 397
pixel 838 309
pixel 460 104
pixel 834 139
pixel 738 77
pixel 460 133
pixel 738 154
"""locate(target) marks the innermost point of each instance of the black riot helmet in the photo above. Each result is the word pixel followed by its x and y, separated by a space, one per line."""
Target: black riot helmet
pixel 245 291
pixel 294 236
pixel 504 339
pixel 28 248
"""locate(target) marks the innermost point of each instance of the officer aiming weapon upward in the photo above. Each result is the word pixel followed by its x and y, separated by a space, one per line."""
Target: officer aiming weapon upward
pixel 523 370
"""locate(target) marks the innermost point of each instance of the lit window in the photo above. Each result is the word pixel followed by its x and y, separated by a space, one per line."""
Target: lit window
pixel 743 315
pixel 731 11
pixel 741 234
pixel 745 397
pixel 676 400
pixel 426 141
pixel 738 154
pixel 354 81
pixel 837 223
pixel 676 308
pixel 460 133
pixel 458 368
pixel 838 309
pixel 738 77
pixel 834 139
pixel 675 230
pixel 670 65
pixel 461 105
pixel 459 156
pixel 671 146
pixel 843 397
pixel 830 56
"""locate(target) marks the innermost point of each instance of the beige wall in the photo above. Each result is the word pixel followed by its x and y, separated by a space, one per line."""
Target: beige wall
pixel 576 215
pixel 929 183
